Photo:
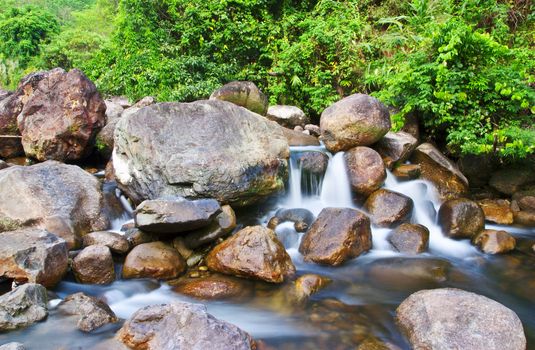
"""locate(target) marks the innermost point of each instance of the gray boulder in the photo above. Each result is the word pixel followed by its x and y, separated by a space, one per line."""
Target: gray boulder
pixel 181 326
pixel 33 255
pixel 450 318
pixel 243 93
pixel 287 116
pixel 174 216
pixel 92 313
pixel 23 306
pixel 94 265
pixel 204 149
pixel 116 242
pixel 396 147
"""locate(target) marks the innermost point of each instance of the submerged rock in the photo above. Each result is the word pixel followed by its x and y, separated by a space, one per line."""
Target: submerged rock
pixel 33 255
pixel 153 260
pixel 116 242
pixel 410 238
pixel 94 265
pixel 337 235
pixel 243 93
pixel 439 170
pixel 181 326
pixel 309 284
pixel 174 216
pixel 61 116
pixel 253 252
pixel 366 170
pixel 61 198
pixel 223 152
pixel 450 318
pixel 356 120
pixel 287 116
pixel 215 287
pixel 23 306
pixel 494 241
pixel 388 208
pixel 92 313
pixel 497 210
pixel 461 218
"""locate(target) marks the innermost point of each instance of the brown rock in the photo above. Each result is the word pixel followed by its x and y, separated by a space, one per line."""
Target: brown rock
pixel 153 260
pixel 439 170
pixel 397 146
pixel 407 171
pixel 448 318
pixel 135 237
pixel 314 129
pixel 243 93
pixel 511 180
pixel 94 265
pixel 461 218
pixel 92 313
pixel 366 170
pixel 61 117
pixel 253 252
pixel 297 138
pixel 116 242
pixel 309 284
pixel 214 287
pixel 356 120
pixel 34 256
pixel 337 235
pixel 411 126
pixel 494 242
pixel 410 238
pixel 388 208
pixel 524 218
pixel 477 168
pixel 525 200
pixel 497 210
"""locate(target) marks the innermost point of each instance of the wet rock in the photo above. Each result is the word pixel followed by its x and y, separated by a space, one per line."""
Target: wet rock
pixel 407 171
pixel 23 306
pixel 182 248
pixel 61 117
pixel 92 313
pixel 243 93
pixel 94 265
pixel 366 170
pixel 525 200
pixel 253 252
pixel 12 346
pixel 314 129
pixel 309 284
pixel 43 194
pixel 215 287
pixel 373 343
pixel 388 208
pixel 397 146
pixel 356 120
pixel 337 235
pixel 174 216
pixel 153 260
pixel 243 164
pixel 314 162
pixel 494 241
pixel 34 256
pixel 181 326
pixel 116 242
pixel 224 223
pixel 450 318
pixel 497 210
pixel 287 116
pixel 410 238
pixel 461 218
pixel 302 218
pixel 297 138
pixel 135 237
pixel 524 218
pixel 439 170
pixel 477 168
pixel 511 180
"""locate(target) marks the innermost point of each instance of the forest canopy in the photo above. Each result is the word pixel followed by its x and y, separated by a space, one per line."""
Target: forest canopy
pixel 464 68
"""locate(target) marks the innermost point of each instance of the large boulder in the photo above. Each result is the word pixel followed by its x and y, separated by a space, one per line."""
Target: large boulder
pixel 181 326
pixel 357 120
pixel 366 170
pixel 461 218
pixel 91 312
pixel 62 198
pixel 61 116
pixel 204 149
pixel 511 180
pixel 388 208
pixel 396 147
pixel 253 252
pixel 94 265
pixel 23 306
pixel 175 215
pixel 153 260
pixel 450 318
pixel 409 238
pixel 440 171
pixel 287 116
pixel 337 235
pixel 243 93
pixel 33 255
pixel 494 241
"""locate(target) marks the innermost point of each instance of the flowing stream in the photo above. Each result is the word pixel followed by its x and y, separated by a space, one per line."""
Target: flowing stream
pixel 358 306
